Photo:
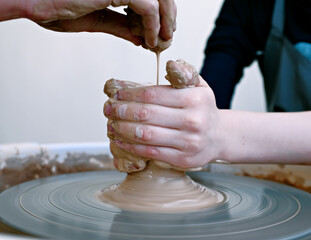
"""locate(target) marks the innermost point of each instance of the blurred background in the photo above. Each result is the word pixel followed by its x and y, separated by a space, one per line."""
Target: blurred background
pixel 51 84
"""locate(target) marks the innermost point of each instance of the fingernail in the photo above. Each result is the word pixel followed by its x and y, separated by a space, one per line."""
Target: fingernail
pixel 148 45
pixel 152 44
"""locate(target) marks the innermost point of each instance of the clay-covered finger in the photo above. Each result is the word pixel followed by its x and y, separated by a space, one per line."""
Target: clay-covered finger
pixel 137 28
pixel 151 22
pixel 147 114
pixel 160 95
pixel 112 86
pixel 106 21
pixel 168 13
pixel 166 96
pixel 182 74
pixel 150 19
pixel 153 135
pixel 126 161
pixel 176 158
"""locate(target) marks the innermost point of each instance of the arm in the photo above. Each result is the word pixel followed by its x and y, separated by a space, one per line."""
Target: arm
pixel 183 127
pixel 266 137
pixel 158 17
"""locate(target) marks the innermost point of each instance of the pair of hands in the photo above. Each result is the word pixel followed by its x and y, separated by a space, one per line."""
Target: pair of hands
pixel 180 127
pixel 158 17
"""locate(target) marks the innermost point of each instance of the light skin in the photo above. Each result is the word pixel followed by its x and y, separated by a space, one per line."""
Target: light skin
pixel 183 127
pixel 158 16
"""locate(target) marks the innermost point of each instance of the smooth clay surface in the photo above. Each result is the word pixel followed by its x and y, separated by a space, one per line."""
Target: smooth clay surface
pixel 160 190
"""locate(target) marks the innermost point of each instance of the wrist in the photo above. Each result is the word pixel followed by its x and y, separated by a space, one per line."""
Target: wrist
pixel 233 143
pixel 223 138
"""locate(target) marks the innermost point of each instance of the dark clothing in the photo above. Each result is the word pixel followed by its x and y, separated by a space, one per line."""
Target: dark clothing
pixel 240 37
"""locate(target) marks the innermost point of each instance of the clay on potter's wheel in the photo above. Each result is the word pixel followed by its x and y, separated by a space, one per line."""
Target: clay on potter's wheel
pixel 155 186
pixel 160 190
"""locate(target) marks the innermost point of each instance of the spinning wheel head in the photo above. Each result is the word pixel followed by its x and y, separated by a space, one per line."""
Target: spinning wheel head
pixel 65 207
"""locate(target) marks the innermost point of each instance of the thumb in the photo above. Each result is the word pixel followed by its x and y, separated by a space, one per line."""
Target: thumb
pixel 182 74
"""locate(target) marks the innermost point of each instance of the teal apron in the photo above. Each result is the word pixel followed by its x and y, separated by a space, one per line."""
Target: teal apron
pixel 286 71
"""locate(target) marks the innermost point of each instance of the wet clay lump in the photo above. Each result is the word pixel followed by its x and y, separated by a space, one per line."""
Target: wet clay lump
pixel 160 190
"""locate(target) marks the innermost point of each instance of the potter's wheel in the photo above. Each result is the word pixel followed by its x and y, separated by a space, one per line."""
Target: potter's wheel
pixel 64 207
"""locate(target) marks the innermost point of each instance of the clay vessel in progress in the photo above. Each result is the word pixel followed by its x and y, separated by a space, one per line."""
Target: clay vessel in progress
pixel 155 186
pixel 160 190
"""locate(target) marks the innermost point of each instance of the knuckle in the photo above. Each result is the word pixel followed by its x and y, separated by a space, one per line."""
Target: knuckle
pixel 196 99
pixel 192 123
pixel 148 95
pixel 143 133
pixel 193 143
pixel 38 13
pixel 153 8
pixel 192 99
pixel 147 135
pixel 185 162
pixel 143 114
pixel 186 100
pixel 151 151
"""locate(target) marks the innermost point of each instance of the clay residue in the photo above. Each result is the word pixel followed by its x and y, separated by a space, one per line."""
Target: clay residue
pixel 18 170
pixel 160 190
pixel 125 161
pixel 281 177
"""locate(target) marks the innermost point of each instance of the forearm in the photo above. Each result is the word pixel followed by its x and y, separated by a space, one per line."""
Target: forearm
pixel 266 137
pixel 12 9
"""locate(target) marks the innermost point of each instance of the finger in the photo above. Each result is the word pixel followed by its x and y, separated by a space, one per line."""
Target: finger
pixel 47 11
pixel 145 113
pixel 169 155
pixel 182 74
pixel 126 161
pixel 164 95
pixel 106 21
pixel 149 10
pixel 168 18
pixel 112 86
pixel 160 95
pixel 152 135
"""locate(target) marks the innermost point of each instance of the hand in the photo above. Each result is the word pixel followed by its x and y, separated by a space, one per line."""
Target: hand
pixel 178 126
pixel 158 17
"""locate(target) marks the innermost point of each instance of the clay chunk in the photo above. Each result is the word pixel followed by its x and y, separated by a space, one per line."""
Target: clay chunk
pixel 181 74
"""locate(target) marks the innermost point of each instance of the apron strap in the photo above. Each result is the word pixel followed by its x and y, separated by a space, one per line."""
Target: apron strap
pixel 278 17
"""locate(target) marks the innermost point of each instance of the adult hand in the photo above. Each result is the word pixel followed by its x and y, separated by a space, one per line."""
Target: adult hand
pixel 158 16
pixel 181 127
